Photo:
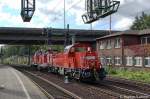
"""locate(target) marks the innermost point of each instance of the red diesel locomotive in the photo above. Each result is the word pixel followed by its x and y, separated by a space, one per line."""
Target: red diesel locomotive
pixel 78 61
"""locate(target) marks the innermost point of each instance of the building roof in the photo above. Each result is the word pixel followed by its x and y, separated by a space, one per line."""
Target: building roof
pixel 127 32
pixel 145 31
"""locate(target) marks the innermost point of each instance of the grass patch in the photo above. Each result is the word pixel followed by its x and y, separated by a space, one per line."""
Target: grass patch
pixel 138 75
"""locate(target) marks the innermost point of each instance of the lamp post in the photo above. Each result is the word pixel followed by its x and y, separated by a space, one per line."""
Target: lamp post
pixel 110 24
pixel 64 14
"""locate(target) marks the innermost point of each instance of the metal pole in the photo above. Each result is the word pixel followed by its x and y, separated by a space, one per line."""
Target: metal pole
pixel 67 40
pixel 110 25
pixel 73 39
pixel 2 54
pixel 64 14
pixel 29 54
pixel 27 7
pixel 47 33
pixel 91 26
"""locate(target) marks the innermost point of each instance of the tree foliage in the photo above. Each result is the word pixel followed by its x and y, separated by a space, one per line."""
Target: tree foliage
pixel 13 50
pixel 16 50
pixel 141 22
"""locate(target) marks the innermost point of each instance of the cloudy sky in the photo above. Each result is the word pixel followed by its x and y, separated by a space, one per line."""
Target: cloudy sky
pixel 49 13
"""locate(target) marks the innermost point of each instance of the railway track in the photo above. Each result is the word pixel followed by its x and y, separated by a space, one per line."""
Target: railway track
pixel 119 91
pixel 145 87
pixel 51 90
pixel 78 88
pixel 123 90
pixel 107 89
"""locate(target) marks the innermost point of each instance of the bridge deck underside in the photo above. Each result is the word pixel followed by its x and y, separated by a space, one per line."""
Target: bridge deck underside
pixel 36 36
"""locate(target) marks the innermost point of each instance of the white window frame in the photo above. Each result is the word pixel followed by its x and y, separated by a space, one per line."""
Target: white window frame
pixel 138 61
pixel 110 61
pixel 102 60
pixel 117 61
pixel 117 43
pixel 148 58
pixel 108 44
pixel 148 38
pixel 102 45
pixel 145 40
pixel 129 61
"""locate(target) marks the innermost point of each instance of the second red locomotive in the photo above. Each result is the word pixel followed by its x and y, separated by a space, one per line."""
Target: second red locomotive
pixel 78 61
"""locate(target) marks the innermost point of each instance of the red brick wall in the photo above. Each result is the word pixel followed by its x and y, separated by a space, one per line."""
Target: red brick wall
pixel 131 40
pixel 137 50
pixel 109 52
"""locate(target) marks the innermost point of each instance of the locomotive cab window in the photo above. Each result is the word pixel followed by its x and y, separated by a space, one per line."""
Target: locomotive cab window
pixel 68 48
pixel 80 49
pixel 72 50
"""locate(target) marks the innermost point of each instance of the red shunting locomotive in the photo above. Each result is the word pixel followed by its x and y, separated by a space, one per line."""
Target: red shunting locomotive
pixel 78 61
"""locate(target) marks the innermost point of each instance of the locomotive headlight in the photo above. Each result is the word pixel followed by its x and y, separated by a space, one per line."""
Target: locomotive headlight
pixel 92 64
pixel 90 57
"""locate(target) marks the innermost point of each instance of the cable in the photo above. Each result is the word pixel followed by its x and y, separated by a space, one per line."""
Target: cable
pixel 57 5
pixel 73 5
pixel 61 15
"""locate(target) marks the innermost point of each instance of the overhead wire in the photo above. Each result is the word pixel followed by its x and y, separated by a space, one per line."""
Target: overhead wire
pixel 61 15
pixel 73 5
pixel 133 15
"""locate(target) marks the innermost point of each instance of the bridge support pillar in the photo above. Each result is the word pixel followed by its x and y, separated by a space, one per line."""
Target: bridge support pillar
pixel 29 55
pixel 1 55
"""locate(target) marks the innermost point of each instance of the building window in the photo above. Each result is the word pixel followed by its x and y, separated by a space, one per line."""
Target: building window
pixel 108 44
pixel 117 43
pixel 109 61
pixel 138 61
pixel 147 61
pixel 129 61
pixel 102 60
pixel 102 45
pixel 117 61
pixel 148 40
pixel 145 40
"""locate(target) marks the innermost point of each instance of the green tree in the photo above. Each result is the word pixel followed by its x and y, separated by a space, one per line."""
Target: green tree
pixel 141 22
pixel 16 50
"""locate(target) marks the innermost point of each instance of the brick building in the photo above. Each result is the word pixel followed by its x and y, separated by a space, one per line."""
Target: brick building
pixel 128 48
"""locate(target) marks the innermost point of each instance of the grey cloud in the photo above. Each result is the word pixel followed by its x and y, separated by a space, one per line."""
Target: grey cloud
pixel 131 8
pixel 50 12
pixel 44 1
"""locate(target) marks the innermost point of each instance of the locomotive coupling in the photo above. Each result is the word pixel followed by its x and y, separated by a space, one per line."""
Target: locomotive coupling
pixel 66 80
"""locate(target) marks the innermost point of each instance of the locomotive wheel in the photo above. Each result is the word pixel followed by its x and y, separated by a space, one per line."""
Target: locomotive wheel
pixel 96 76
pixel 39 68
pixel 71 74
pixel 102 73
pixel 77 76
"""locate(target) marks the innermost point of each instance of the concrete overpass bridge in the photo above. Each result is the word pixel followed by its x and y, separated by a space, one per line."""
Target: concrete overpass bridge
pixel 38 36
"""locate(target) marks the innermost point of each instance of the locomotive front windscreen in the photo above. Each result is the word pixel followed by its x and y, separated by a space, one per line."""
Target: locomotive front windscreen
pixel 80 49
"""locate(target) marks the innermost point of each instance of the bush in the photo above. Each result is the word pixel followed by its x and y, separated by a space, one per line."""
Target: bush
pixel 137 75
